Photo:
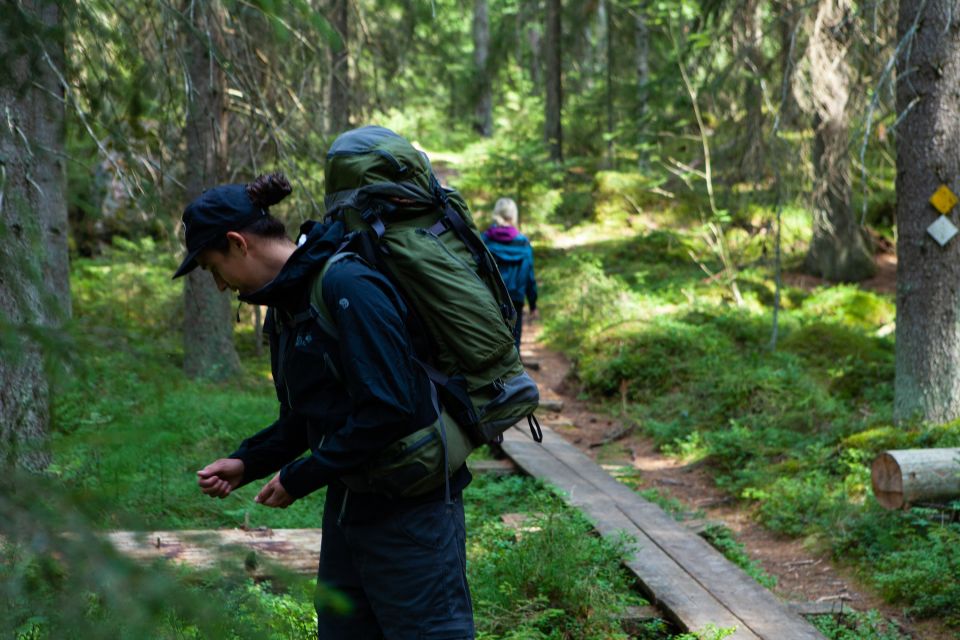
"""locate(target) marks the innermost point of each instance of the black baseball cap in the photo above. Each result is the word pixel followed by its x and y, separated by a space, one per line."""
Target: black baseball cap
pixel 211 216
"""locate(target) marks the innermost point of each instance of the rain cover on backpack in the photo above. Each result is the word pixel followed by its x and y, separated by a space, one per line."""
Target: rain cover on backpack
pixel 424 238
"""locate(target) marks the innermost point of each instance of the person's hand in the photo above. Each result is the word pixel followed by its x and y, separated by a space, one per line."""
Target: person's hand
pixel 533 315
pixel 274 495
pixel 219 478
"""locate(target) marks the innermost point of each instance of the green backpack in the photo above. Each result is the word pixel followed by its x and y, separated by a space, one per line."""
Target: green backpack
pixel 422 236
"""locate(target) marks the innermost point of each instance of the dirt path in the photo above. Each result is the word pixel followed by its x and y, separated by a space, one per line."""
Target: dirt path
pixel 802 575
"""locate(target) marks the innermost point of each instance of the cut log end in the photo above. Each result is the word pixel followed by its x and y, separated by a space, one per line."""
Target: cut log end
pixel 903 477
pixel 887 481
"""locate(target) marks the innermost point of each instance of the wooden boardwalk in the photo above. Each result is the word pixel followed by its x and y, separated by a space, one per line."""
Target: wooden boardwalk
pixel 680 572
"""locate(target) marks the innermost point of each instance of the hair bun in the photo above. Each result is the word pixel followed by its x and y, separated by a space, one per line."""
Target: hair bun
pixel 269 189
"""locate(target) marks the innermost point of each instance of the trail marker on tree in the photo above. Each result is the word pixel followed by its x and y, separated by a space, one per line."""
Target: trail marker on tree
pixel 943 230
pixel 943 199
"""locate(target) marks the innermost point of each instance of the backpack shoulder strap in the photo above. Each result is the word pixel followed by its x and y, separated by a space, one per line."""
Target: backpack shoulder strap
pixel 318 309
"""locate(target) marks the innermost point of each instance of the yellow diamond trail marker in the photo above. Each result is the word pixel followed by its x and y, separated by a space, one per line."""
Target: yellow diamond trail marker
pixel 942 230
pixel 943 199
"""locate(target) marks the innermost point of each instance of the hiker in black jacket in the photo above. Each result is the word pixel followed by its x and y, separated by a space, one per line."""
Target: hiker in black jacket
pixel 343 399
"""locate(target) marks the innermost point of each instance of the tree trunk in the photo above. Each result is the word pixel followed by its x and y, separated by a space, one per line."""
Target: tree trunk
pixel 554 103
pixel 607 11
pixel 483 114
pixel 34 265
pixel 840 250
pixel 746 35
pixel 208 348
pixel 928 275
pixel 642 61
pixel 338 85
pixel 908 476
pixel 788 22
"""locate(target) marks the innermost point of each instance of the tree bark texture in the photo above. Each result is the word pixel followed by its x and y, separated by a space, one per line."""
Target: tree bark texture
pixel 34 265
pixel 746 32
pixel 840 250
pixel 788 23
pixel 553 133
pixel 607 12
pixel 642 62
pixel 208 348
pixel 909 476
pixel 338 85
pixel 483 113
pixel 928 155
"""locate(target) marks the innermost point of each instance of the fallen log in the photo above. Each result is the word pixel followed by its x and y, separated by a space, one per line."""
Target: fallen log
pixel 906 476
pixel 257 549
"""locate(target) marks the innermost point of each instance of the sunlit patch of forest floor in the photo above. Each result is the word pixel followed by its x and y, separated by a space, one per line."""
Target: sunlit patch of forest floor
pixel 688 492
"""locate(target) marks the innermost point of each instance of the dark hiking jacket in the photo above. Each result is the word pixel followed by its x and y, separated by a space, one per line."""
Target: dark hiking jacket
pixel 514 257
pixel 341 400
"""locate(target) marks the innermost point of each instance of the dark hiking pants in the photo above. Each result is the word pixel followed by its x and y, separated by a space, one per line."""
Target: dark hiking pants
pixel 404 573
pixel 518 328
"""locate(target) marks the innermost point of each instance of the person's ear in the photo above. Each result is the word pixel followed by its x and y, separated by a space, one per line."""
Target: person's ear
pixel 239 241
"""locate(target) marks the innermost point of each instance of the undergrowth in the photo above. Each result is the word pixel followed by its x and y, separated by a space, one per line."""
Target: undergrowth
pixel 792 429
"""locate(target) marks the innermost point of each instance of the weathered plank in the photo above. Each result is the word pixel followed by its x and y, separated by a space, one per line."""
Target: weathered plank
pixel 684 600
pixel 295 549
pixel 686 558
pixel 750 601
pixel 503 467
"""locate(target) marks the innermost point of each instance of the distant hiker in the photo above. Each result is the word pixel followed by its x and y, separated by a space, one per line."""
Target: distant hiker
pixel 514 256
pixel 349 388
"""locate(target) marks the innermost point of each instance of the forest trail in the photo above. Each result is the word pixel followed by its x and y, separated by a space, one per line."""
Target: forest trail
pixel 803 574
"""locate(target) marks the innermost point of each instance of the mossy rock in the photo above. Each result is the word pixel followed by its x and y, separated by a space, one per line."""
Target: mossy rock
pixel 827 343
pixel 650 361
pixel 880 439
pixel 618 194
pixel 851 306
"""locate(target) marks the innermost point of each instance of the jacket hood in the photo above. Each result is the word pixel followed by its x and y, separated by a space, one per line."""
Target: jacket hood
pixel 516 250
pixel 502 233
pixel 317 242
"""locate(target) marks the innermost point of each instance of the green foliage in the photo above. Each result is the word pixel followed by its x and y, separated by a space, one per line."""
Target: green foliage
pixel 515 165
pixel 59 579
pixel 851 306
pixel 549 579
pixel 854 625
pixel 129 427
pixel 620 193
pixel 722 539
pixel 922 574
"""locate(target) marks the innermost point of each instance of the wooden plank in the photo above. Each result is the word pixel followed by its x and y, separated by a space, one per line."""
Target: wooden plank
pixel 553 406
pixel 685 602
pixel 758 609
pixel 296 549
pixel 503 467
pixel 761 609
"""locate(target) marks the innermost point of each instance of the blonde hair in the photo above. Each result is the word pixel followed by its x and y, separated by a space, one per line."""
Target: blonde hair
pixel 505 213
